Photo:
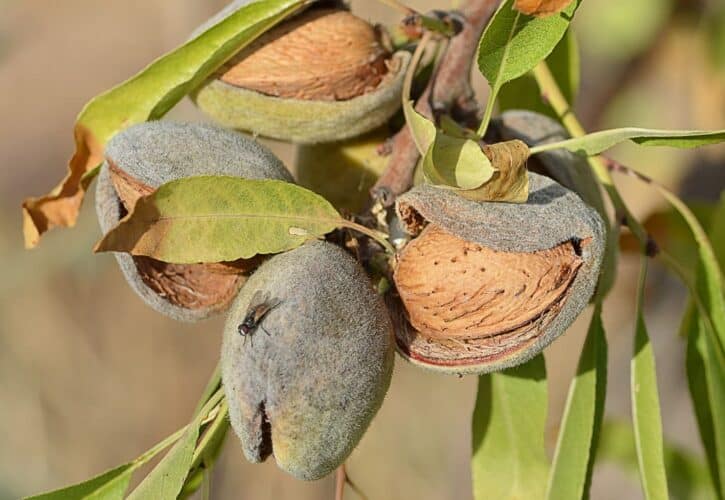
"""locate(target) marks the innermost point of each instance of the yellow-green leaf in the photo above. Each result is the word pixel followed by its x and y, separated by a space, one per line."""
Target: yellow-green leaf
pixel 646 413
pixel 597 142
pixel 146 96
pixel 509 422
pixel 580 425
pixel 221 218
pixel 510 180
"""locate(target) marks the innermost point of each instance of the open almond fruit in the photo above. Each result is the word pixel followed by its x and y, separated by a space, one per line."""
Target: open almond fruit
pixel 485 286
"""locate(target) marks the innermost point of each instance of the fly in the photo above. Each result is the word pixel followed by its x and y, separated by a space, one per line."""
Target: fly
pixel 259 307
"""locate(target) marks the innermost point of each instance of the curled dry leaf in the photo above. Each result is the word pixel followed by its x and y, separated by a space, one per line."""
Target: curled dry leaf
pixel 510 180
pixel 146 96
pixel 541 8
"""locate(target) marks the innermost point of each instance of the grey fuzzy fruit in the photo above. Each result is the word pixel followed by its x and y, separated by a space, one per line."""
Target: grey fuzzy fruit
pixel 145 156
pixel 306 380
pixel 487 286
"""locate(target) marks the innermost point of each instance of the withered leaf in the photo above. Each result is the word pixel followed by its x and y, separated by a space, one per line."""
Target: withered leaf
pixel 146 96
pixel 510 181
pixel 541 8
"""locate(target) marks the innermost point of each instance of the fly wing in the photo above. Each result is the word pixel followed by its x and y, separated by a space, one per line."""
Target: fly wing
pixel 258 299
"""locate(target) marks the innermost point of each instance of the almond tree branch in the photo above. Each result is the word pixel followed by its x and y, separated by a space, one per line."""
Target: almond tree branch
pixel 448 91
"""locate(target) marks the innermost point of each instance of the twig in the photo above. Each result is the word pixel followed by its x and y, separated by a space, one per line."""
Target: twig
pixel 341 480
pixel 448 91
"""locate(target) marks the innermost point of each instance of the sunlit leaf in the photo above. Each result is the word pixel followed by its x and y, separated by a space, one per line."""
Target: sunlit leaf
pixel 509 421
pixel 167 479
pixel 221 218
pixel 687 474
pixel 580 425
pixel 706 363
pixel 646 414
pixel 513 43
pixel 146 96
pixel 524 92
pixel 596 142
pixel 541 7
pixel 110 485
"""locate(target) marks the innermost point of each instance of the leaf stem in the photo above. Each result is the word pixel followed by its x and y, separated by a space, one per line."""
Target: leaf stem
pixel 496 86
pixel 552 93
pixel 378 236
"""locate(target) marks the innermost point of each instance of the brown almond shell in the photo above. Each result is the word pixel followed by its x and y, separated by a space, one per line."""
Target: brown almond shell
pixel 145 156
pixel 485 286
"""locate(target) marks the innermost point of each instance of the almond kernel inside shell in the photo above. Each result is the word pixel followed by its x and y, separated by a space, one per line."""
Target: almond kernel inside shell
pixel 468 303
pixel 322 54
pixel 191 286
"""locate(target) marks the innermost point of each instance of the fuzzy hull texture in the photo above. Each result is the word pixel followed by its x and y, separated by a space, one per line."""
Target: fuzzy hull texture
pixel 306 382
pixel 154 153
pixel 554 239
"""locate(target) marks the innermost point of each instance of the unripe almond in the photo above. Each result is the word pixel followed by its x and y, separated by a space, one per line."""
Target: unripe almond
pixel 486 286
pixel 305 381
pixel 145 156
pixel 321 76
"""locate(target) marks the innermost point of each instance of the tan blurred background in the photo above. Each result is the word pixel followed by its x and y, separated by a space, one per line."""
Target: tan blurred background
pixel 90 377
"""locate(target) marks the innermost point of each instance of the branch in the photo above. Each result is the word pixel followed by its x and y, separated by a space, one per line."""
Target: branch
pixel 448 91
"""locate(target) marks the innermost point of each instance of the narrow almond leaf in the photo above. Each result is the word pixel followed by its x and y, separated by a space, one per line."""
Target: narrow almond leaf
pixel 111 485
pixel 687 474
pixel 709 286
pixel 449 159
pixel 421 128
pixel 596 142
pixel 456 163
pixel 646 413
pixel 221 218
pixel 513 43
pixel 166 480
pixel 706 362
pixel 524 92
pixel 509 422
pixel 576 447
pixel 146 96
pixel 541 7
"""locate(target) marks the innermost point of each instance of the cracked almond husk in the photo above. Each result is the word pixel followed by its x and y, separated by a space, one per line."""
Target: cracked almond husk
pixel 321 76
pixel 485 286
pixel 145 156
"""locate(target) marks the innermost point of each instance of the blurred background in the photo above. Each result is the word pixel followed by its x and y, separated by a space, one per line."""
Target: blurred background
pixel 90 377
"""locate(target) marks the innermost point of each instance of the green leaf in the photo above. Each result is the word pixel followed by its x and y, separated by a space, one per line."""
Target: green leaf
pixel 596 142
pixel 687 474
pixel 111 485
pixel 166 480
pixel 421 128
pixel 706 379
pixel 513 43
pixel 570 474
pixel 524 92
pixel 709 290
pixel 646 406
pixel 456 163
pixel 147 96
pixel 509 421
pixel 221 218
pixel 706 363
